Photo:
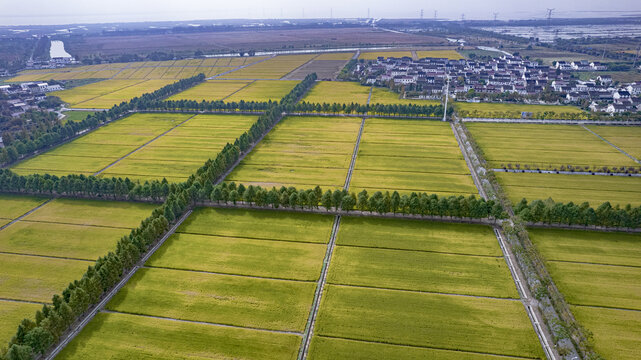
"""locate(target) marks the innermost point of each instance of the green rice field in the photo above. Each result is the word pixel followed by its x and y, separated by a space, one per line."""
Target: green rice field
pixel 514 111
pixel 303 152
pixel 42 252
pixel 576 188
pixel 253 270
pixel 105 94
pixel 598 274
pixel 626 138
pixel 341 92
pixel 410 155
pixel 545 146
pixel 394 284
pixel 387 97
pixel 123 336
pixel 142 147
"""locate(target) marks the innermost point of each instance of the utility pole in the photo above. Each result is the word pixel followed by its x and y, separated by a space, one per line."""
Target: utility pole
pixel 549 15
pixel 634 64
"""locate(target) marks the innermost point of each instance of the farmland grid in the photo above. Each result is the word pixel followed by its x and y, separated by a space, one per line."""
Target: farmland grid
pixel 611 144
pixel 518 277
pixel 90 314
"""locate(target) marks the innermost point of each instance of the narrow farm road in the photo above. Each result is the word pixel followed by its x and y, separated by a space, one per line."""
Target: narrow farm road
pixel 611 144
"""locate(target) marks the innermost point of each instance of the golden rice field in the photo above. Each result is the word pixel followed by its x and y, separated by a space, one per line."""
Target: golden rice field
pixel 105 94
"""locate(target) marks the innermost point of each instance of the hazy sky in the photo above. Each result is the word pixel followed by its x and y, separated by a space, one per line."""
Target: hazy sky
pixel 47 12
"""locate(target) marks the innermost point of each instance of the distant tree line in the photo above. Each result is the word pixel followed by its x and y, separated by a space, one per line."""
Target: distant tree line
pixel 379 202
pixel 364 109
pixel 551 212
pixel 205 105
pixel 30 144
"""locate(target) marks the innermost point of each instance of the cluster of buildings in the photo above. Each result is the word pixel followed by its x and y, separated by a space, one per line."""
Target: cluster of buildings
pixel 29 88
pixel 25 96
pixel 508 74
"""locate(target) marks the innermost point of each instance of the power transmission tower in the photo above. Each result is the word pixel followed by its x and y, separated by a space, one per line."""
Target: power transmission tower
pixel 550 15
pixel 634 64
pixel 462 17
pixel 421 14
pixel 435 14
pixel 368 13
pixel 495 16
pixel 331 13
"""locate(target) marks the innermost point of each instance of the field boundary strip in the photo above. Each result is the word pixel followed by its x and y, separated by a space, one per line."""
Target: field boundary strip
pixel 25 214
pixel 46 256
pixel 83 321
pixel 322 281
pixel 611 144
pixel 239 68
pixel 202 322
pixel 142 146
pixel 226 274
pixel 24 301
pixel 421 291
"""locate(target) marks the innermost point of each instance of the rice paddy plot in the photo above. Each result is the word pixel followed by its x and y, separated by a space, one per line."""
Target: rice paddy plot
pixel 79 94
pixel 263 91
pixel 111 335
pixel 327 348
pixel 14 206
pixel 210 90
pixel 421 271
pixel 273 68
pixel 576 188
pixel 92 212
pixel 178 154
pixel 418 235
pixel 61 240
pixel 605 248
pixel 33 278
pixel 598 285
pixel 340 92
pixel 297 152
pixel 110 99
pixel 267 225
pixel 391 157
pixel 93 152
pixel 616 333
pixel 241 256
pixel 545 147
pixel 427 320
pixel 626 138
pixel 514 111
pixel 11 313
pixel 188 295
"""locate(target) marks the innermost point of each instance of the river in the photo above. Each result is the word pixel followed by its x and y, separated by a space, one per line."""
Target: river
pixel 57 50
